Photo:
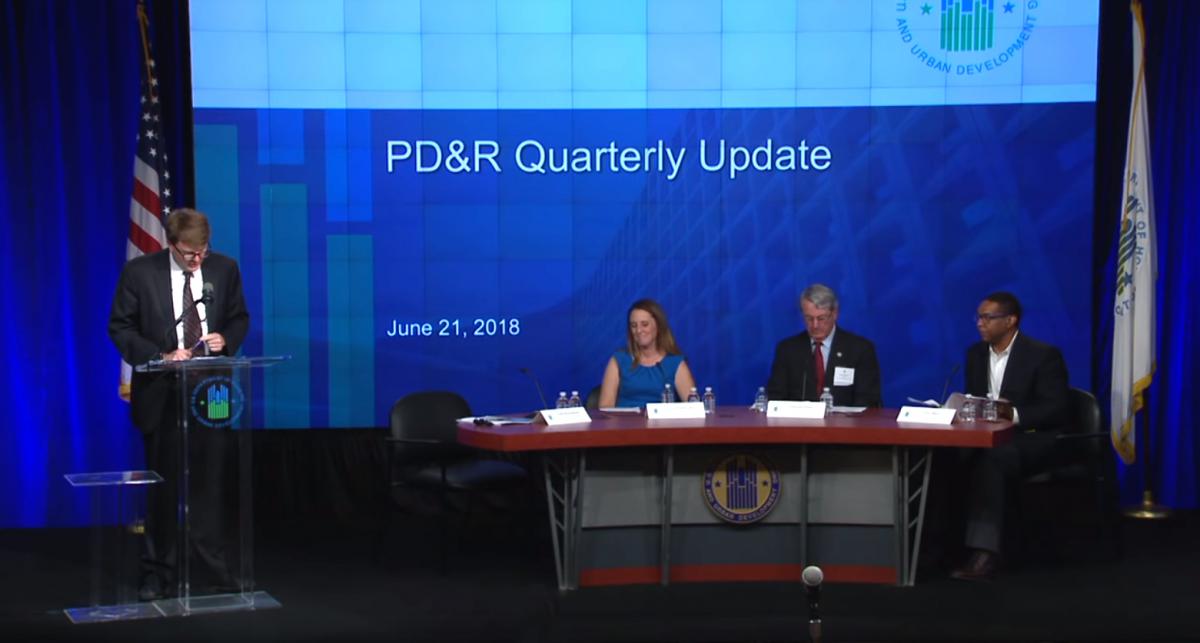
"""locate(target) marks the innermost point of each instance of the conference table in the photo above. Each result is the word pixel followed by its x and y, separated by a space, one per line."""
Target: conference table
pixel 631 499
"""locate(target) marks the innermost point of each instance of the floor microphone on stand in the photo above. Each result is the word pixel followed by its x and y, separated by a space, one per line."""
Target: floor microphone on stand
pixel 529 373
pixel 812 577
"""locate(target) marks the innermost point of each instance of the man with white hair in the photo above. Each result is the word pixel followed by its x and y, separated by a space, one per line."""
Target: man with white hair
pixel 825 356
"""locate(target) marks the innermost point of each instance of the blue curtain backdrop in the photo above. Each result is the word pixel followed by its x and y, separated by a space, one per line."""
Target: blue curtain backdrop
pixel 1169 426
pixel 68 118
pixel 68 109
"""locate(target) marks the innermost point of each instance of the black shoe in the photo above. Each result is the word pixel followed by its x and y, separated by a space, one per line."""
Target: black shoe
pixel 981 566
pixel 151 588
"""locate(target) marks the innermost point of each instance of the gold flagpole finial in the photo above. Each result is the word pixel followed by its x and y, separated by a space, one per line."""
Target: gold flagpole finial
pixel 147 62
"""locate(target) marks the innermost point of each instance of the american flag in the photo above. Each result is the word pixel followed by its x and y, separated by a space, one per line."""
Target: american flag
pixel 151 199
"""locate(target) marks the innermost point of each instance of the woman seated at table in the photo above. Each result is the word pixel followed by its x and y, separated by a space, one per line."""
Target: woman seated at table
pixel 637 375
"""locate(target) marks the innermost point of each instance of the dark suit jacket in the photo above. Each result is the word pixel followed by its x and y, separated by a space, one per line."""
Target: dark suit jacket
pixel 1035 381
pixel 794 378
pixel 141 325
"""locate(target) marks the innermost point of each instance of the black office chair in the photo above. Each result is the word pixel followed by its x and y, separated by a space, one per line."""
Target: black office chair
pixel 424 456
pixel 593 399
pixel 1081 463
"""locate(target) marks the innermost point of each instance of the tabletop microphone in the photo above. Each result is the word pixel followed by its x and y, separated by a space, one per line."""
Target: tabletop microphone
pixel 541 396
pixel 946 386
pixel 812 577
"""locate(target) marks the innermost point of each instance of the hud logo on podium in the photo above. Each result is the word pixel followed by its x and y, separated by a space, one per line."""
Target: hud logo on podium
pixel 217 401
pixel 741 488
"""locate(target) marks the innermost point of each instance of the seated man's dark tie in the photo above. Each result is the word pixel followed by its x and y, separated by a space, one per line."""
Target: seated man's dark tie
pixel 819 367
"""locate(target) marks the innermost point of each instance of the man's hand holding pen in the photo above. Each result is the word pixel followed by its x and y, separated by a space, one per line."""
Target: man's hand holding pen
pixel 206 345
pixel 214 343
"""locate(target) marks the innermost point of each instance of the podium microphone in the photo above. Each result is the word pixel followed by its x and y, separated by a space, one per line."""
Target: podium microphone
pixel 528 373
pixel 812 577
pixel 945 387
pixel 205 299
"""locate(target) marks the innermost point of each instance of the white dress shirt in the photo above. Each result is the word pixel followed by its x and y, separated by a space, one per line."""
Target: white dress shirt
pixel 197 287
pixel 998 363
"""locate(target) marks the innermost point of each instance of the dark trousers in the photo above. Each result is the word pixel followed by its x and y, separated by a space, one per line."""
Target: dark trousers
pixel 211 504
pixel 988 474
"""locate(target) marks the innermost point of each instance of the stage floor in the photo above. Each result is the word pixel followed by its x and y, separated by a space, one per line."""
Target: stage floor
pixel 499 586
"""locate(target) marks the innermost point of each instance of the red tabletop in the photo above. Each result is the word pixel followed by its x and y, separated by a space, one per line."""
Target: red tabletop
pixel 733 425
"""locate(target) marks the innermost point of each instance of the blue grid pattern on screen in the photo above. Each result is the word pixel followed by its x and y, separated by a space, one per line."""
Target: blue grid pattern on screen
pixel 727 260
pixel 564 54
pixel 906 220
pixel 679 244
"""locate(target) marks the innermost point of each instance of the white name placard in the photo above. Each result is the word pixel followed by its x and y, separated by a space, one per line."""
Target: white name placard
pixel 795 410
pixel 675 411
pixel 926 415
pixel 569 415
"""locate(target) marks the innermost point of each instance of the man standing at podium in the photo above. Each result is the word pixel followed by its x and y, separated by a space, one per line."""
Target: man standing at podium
pixel 824 356
pixel 171 305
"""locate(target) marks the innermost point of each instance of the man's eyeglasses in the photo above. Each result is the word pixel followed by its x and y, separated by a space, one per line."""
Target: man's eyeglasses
pixel 192 255
pixel 987 317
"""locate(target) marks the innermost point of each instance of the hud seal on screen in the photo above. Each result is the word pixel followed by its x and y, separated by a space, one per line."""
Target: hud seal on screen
pixel 966 37
pixel 741 488
pixel 217 401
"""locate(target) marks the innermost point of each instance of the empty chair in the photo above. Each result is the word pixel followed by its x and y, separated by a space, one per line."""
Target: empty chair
pixel 593 398
pixel 1079 473
pixel 424 454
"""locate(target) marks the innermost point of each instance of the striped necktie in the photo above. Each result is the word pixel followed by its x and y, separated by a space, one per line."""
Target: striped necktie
pixel 191 316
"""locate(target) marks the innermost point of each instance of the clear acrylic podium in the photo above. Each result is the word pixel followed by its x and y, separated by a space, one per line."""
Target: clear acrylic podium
pixel 215 395
pixel 115 498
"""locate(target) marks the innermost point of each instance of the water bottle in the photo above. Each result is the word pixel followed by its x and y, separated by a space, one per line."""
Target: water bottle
pixel 827 398
pixel 967 412
pixel 989 409
pixel 668 395
pixel 710 401
pixel 562 401
pixel 760 400
pixel 574 401
pixel 694 395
